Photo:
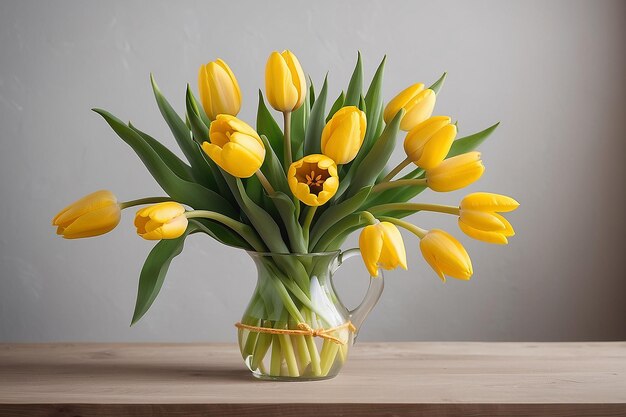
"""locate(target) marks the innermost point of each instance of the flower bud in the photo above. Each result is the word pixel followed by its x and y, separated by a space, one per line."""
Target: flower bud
pixel 343 135
pixel 313 179
pixel 446 255
pixel 235 146
pixel 285 84
pixel 219 90
pixel 456 172
pixel 479 218
pixel 418 103
pixel 428 143
pixel 92 215
pixel 382 246
pixel 161 221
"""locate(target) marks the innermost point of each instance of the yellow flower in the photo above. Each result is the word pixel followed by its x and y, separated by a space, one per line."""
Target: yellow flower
pixel 235 146
pixel 456 172
pixel 161 221
pixel 428 143
pixel 313 179
pixel 479 218
pixel 343 135
pixel 284 81
pixel 418 103
pixel 446 255
pixel 219 90
pixel 92 215
pixel 382 246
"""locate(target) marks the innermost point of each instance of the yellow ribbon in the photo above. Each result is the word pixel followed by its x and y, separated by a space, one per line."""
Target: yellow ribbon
pixel 303 329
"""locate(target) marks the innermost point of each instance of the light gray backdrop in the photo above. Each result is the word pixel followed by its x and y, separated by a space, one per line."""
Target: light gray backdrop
pixel 551 72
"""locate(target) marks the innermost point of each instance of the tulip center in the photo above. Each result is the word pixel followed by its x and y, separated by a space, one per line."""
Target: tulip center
pixel 313 176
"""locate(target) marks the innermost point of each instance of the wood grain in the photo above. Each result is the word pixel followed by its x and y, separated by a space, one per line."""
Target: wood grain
pixel 386 379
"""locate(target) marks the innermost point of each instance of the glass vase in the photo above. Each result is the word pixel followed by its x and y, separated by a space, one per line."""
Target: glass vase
pixel 296 327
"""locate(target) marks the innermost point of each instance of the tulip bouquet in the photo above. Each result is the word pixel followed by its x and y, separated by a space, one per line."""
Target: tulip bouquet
pixel 302 190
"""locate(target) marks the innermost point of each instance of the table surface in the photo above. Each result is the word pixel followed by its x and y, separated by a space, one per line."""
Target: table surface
pixel 400 379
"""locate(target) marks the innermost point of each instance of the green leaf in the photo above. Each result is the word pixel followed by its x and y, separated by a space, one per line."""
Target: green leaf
pixel 336 213
pixel 273 169
pixel 266 125
pixel 469 143
pixel 374 113
pixel 287 210
pixel 186 192
pixel 376 159
pixel 264 224
pixel 299 120
pixel 154 271
pixel 169 158
pixel 316 124
pixel 182 134
pixel 338 104
pixel 221 233
pixel 439 83
pixel 355 87
pixel 200 132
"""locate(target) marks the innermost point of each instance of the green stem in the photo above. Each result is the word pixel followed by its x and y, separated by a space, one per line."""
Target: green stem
pixel 398 183
pixel 287 132
pixel 439 208
pixel 306 226
pixel 418 231
pixel 243 230
pixel 265 183
pixel 396 170
pixel 142 201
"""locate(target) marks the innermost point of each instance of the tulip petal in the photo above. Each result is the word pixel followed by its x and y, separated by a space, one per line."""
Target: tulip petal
pixel 93 201
pixel 94 223
pixel 489 202
pixel 495 237
pixel 481 220
pixel 393 253
pixel 371 245
pixel 399 101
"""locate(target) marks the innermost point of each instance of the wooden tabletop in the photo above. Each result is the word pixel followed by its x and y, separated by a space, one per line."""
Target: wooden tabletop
pixel 387 379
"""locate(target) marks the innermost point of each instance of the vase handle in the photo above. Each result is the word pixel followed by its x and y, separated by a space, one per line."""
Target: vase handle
pixel 374 291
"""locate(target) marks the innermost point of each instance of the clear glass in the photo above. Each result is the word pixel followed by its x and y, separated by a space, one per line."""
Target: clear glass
pixel 295 292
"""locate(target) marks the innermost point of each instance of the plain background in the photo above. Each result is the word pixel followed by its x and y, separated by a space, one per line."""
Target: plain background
pixel 551 72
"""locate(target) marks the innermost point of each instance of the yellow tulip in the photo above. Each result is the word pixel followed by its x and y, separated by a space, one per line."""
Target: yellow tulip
pixel 313 179
pixel 343 135
pixel 219 90
pixel 235 146
pixel 285 84
pixel 161 221
pixel 382 246
pixel 479 218
pixel 418 103
pixel 428 143
pixel 456 172
pixel 92 215
pixel 446 255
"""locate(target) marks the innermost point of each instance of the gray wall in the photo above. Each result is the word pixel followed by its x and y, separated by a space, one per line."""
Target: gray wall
pixel 552 72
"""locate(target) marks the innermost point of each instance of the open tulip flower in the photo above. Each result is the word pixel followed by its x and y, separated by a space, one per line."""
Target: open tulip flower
pixel 313 179
pixel 292 195
pixel 235 146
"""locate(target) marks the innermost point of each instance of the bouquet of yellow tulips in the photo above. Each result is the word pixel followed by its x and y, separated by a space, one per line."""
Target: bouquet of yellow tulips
pixel 301 189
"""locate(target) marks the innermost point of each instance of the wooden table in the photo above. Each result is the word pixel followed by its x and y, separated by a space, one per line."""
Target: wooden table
pixel 387 379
